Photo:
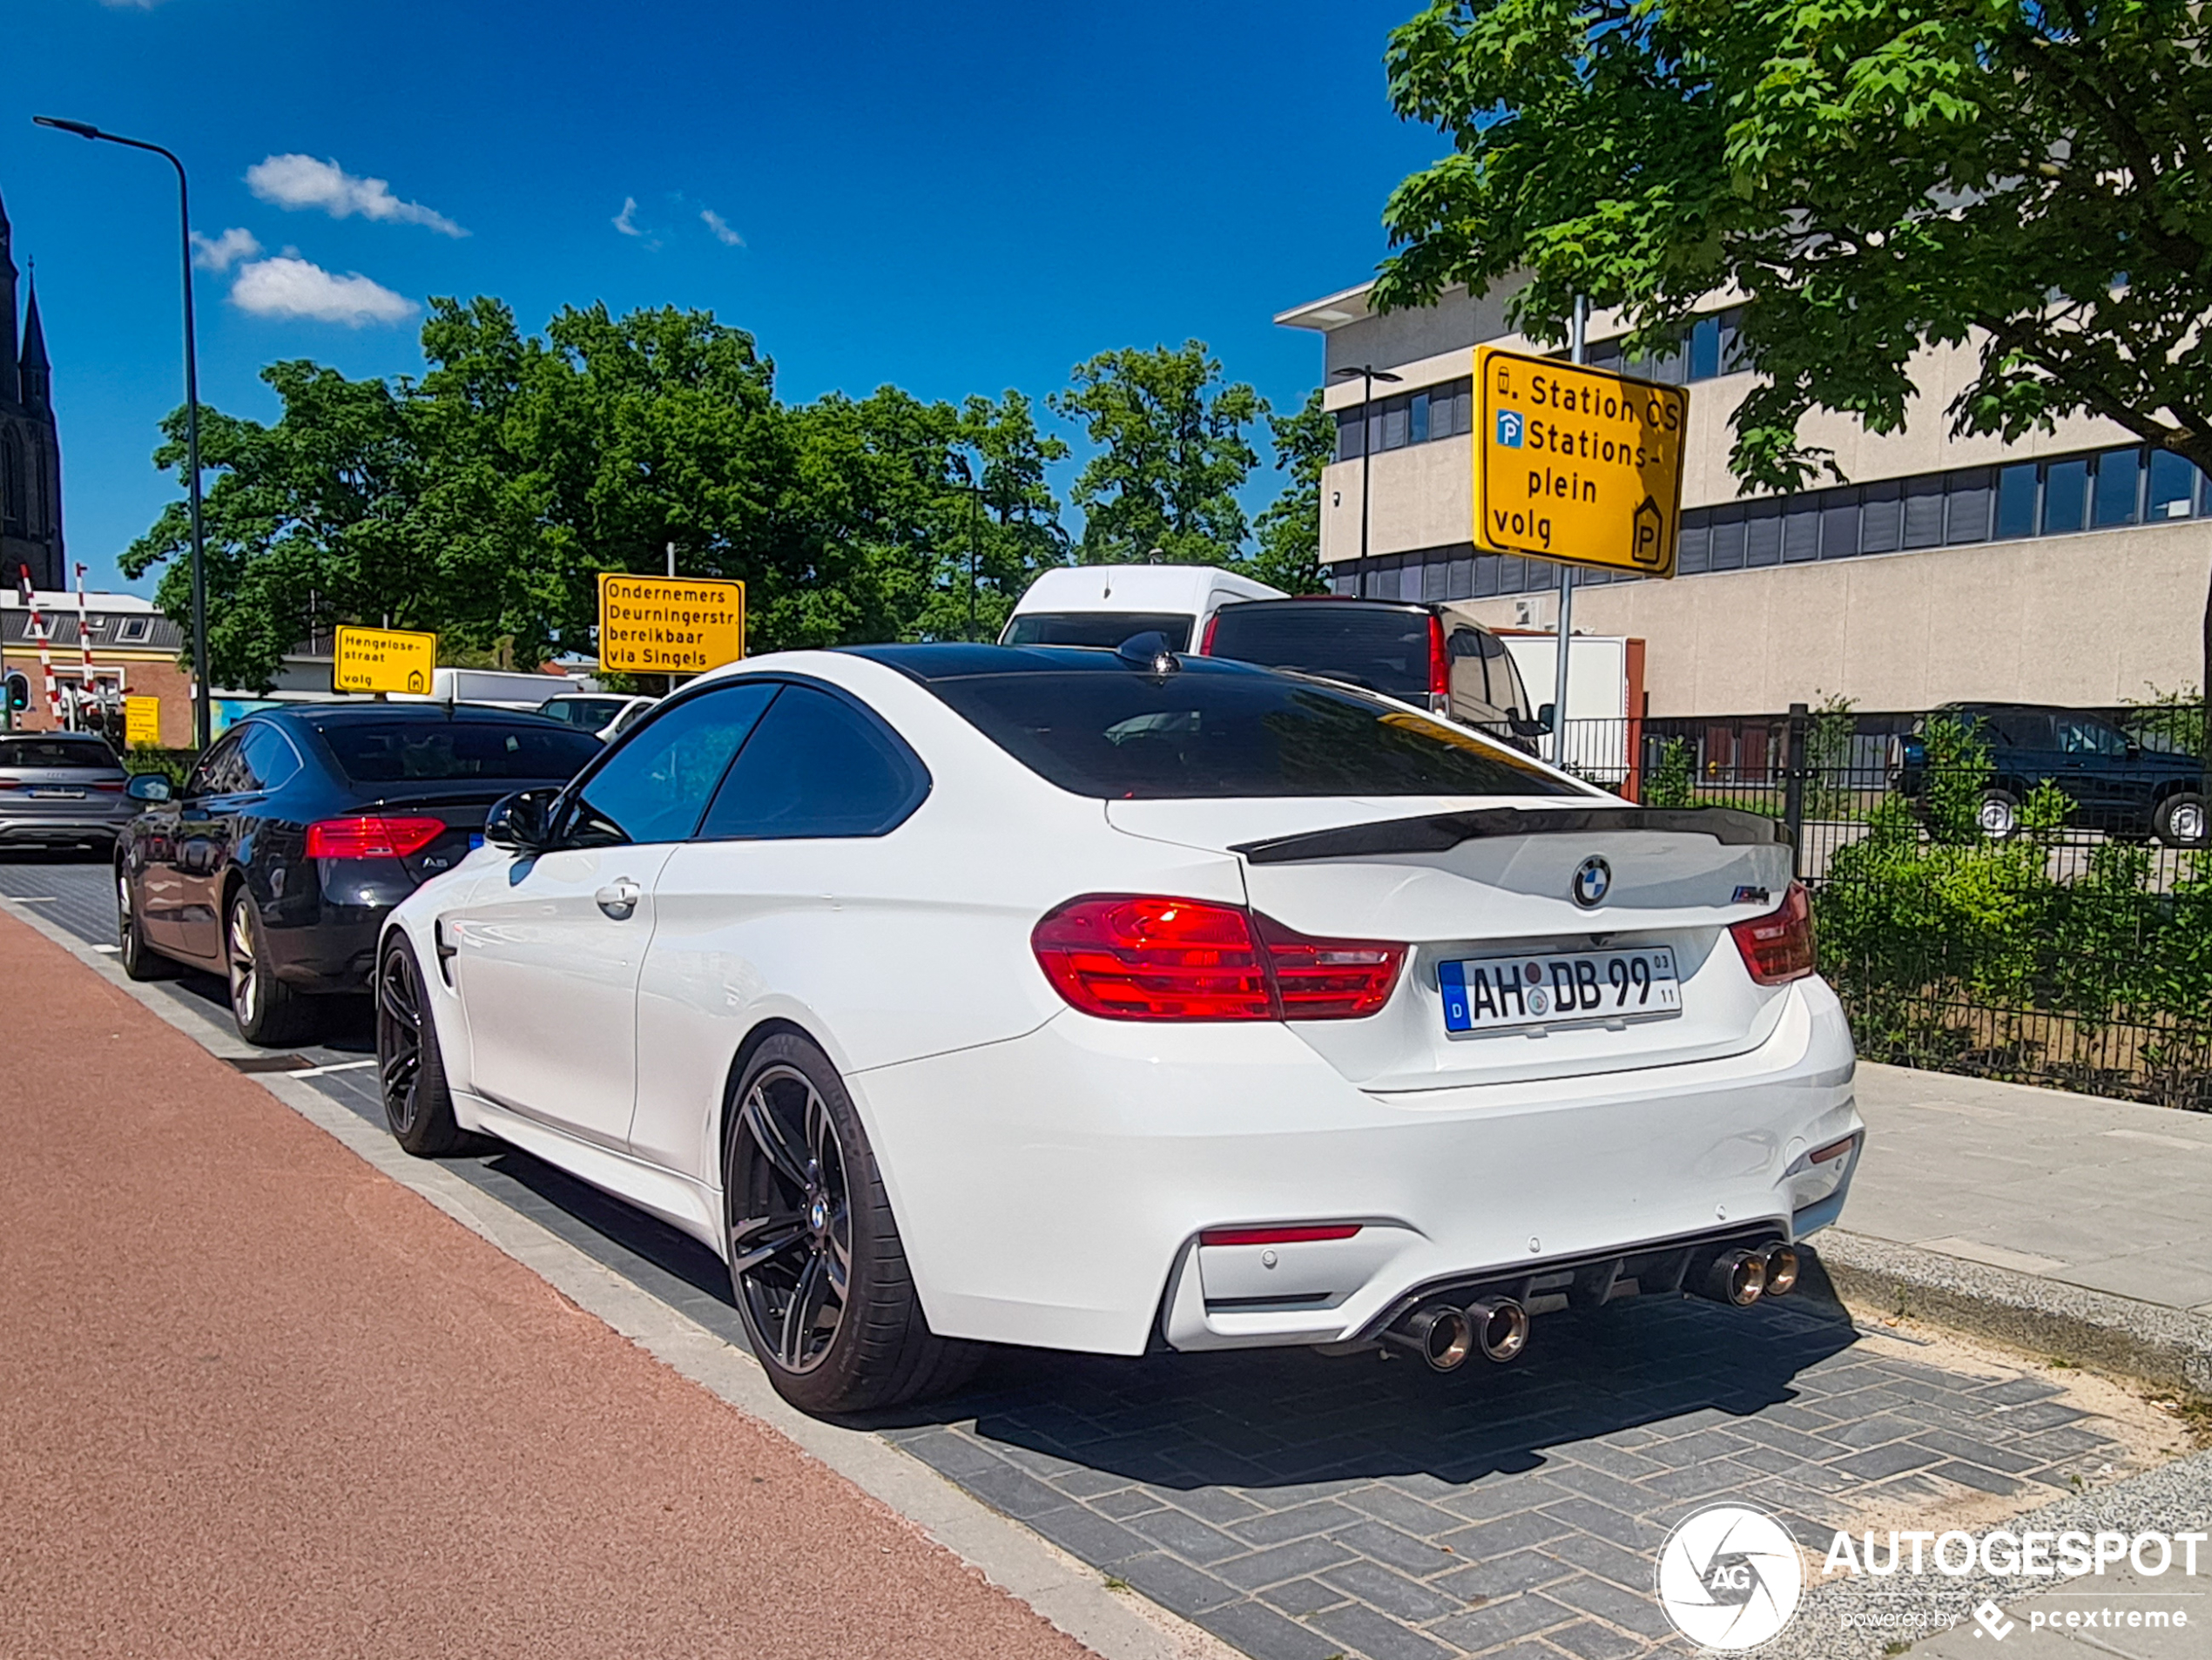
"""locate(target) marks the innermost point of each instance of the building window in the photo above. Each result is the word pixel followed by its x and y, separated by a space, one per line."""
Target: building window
pixel 133 630
pixel 2016 488
pixel 2118 496
pixel 2173 486
pixel 2066 495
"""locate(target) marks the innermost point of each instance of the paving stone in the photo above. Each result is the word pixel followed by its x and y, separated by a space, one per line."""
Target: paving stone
pixel 2042 1414
pixel 1986 1453
pixel 1881 1429
pixel 1488 1541
pixel 1394 1594
pixel 1401 1510
pixel 1893 1460
pixel 1129 1501
pixel 1607 1489
pixel 1496 1622
pixel 1015 1492
pixel 1611 1458
pixel 1637 1611
pixel 1187 1536
pixel 1176 1585
pixel 1402 1550
pixel 1378 1635
pixel 2018 1391
pixel 1299 1596
pixel 1284 1562
pixel 1088 1485
pixel 1591 1641
pixel 1633 1568
pixel 1702 1480
pixel 1525 1570
pixel 1974 1476
pixel 1086 1535
pixel 1502 1495
pixel 950 1455
pixel 1214 1504
pixel 1263 1633
pixel 1296 1522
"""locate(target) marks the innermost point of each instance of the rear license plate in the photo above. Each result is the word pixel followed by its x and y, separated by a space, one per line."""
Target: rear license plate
pixel 1491 994
pixel 57 795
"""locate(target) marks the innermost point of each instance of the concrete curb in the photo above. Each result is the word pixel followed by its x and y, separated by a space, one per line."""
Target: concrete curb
pixel 1116 1624
pixel 2169 1347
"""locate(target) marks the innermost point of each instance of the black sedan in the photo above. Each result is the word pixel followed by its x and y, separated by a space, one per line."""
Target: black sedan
pixel 299 829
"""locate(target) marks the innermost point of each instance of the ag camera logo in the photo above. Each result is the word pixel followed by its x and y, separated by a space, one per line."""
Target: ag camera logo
pixel 1730 1577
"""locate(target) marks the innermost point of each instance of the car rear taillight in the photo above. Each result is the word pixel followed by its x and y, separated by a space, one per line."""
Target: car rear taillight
pixel 373 837
pixel 1205 643
pixel 1127 956
pixel 1440 667
pixel 1778 947
pixel 109 789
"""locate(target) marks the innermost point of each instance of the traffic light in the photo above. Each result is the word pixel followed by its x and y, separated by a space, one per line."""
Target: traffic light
pixel 18 691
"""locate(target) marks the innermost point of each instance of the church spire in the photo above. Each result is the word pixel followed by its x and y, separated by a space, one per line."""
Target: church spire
pixel 38 377
pixel 8 392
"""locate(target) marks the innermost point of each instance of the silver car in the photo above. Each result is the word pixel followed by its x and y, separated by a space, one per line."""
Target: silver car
pixel 61 789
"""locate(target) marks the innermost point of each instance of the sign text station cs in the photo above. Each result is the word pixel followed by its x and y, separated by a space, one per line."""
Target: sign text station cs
pixel 383 659
pixel 1576 464
pixel 669 625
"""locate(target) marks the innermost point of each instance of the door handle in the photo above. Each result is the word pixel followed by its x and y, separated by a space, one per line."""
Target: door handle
pixel 619 898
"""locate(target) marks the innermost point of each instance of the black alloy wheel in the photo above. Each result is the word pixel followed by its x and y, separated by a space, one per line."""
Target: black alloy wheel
pixel 816 1264
pixel 791 1248
pixel 410 1067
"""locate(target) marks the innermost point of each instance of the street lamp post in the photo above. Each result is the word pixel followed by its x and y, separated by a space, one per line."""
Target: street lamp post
pixel 1368 374
pixel 85 130
pixel 974 490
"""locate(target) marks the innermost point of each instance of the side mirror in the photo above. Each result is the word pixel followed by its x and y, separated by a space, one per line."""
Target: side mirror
pixel 2135 750
pixel 1548 717
pixel 519 821
pixel 1521 726
pixel 149 787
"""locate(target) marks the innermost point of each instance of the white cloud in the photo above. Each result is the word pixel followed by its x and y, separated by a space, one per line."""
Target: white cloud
pixel 221 253
pixel 720 226
pixel 286 286
pixel 626 222
pixel 294 182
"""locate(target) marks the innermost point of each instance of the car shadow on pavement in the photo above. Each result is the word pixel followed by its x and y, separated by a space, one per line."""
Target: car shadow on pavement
pixel 1276 1418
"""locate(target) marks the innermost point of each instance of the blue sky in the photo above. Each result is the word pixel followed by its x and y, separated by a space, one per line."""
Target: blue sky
pixel 957 197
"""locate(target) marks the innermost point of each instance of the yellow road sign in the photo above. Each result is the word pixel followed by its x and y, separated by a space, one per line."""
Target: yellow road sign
pixel 1576 464
pixel 142 723
pixel 669 625
pixel 384 659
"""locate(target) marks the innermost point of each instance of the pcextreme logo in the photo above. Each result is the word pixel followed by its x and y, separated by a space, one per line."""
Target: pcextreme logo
pixel 1730 1577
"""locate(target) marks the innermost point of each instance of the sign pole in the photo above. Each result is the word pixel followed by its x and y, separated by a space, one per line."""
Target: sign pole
pixel 1578 353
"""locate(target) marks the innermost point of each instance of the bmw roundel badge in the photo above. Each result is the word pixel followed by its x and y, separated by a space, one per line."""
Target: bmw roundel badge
pixel 1593 881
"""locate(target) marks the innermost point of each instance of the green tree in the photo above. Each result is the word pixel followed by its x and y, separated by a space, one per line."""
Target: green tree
pixel 1288 528
pixel 2026 181
pixel 1171 455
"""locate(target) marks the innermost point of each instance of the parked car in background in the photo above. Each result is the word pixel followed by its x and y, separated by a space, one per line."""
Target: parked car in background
pixel 603 713
pixel 299 829
pixel 1433 655
pixel 61 789
pixel 2117 783
pixel 1106 605
pixel 1082 999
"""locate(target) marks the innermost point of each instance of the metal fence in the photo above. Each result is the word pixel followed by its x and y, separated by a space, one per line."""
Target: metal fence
pixel 2041 915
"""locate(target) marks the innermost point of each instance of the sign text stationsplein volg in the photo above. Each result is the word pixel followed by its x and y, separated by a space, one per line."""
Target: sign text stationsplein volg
pixel 669 625
pixel 1576 464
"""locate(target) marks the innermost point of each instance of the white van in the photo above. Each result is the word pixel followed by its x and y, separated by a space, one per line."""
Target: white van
pixel 501 688
pixel 1105 605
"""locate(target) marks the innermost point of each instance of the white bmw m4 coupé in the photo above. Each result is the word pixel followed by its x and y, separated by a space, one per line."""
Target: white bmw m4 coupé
pixel 1114 999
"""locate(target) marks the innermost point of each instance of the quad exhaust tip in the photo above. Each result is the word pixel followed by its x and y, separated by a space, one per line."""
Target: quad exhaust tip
pixel 1738 1277
pixel 1781 1270
pixel 1444 1336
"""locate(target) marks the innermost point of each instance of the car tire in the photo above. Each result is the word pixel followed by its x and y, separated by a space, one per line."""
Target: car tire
pixel 2180 820
pixel 1999 814
pixel 410 1067
pixel 140 960
pixel 267 1012
pixel 805 1208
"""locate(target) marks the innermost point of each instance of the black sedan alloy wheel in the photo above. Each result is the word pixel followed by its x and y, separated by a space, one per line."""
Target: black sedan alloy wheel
pixel 790 1246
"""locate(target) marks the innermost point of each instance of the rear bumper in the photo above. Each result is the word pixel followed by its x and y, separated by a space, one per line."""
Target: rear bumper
pixel 1050 1189
pixel 332 954
pixel 58 828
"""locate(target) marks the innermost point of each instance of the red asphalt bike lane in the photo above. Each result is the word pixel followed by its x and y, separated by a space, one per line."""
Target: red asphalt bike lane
pixel 258 1399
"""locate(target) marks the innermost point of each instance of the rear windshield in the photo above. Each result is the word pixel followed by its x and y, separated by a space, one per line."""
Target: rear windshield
pixel 1385 650
pixel 395 752
pixel 1135 736
pixel 57 751
pixel 1097 628
pixel 588 713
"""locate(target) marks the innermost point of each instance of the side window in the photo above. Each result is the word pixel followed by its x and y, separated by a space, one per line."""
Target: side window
pixel 818 767
pixel 2018 729
pixel 1469 672
pixel 654 785
pixel 1506 689
pixel 217 768
pixel 267 759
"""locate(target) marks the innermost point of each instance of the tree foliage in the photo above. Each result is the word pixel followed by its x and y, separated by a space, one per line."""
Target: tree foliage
pixel 482 499
pixel 1288 528
pixel 1171 456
